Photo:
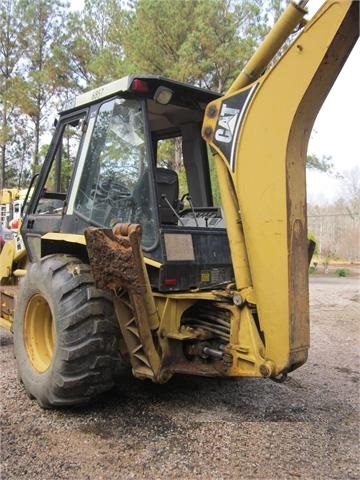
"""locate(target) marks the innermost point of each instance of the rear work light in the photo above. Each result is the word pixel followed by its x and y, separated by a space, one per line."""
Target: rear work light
pixel 139 86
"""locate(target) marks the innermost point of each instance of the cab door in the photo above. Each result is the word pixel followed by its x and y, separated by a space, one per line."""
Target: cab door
pixel 48 201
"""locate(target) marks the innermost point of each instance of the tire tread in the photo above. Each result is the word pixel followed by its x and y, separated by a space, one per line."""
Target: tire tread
pixel 87 358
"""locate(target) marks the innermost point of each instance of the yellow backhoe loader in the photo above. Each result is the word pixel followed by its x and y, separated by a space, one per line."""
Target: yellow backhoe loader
pixel 128 259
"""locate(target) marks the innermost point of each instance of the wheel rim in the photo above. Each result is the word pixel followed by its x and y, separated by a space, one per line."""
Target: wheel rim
pixel 39 333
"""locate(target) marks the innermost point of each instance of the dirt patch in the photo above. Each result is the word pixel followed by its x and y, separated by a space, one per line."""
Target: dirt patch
pixel 199 428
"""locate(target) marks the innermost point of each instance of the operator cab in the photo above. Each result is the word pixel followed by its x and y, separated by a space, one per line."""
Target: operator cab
pixel 132 152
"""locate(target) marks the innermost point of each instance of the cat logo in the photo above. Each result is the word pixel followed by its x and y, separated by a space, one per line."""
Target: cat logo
pixel 227 123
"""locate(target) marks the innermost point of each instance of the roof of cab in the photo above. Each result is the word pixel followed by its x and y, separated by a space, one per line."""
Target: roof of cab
pixel 125 84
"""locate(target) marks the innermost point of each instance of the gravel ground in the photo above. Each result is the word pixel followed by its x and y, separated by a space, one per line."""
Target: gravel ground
pixel 190 428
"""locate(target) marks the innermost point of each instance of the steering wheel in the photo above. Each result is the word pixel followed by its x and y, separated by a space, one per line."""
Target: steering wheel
pixel 113 190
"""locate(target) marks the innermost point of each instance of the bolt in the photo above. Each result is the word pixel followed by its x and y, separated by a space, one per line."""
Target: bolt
pixel 267 368
pixel 211 111
pixel 208 132
pixel 164 376
pixel 228 360
pixel 264 370
pixel 238 300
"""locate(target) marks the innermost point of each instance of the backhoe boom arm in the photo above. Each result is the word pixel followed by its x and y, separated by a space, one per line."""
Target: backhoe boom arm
pixel 259 132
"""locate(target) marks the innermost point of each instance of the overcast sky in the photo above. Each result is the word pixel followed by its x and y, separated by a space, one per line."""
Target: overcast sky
pixel 336 130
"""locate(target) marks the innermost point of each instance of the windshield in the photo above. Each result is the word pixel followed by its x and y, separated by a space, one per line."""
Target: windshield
pixel 114 186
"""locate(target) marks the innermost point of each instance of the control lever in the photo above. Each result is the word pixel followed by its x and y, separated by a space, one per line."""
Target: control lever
pixel 188 198
pixel 164 197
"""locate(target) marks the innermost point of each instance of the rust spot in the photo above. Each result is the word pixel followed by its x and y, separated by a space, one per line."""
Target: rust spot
pixel 7 302
pixel 114 257
pixel 211 111
pixel 208 131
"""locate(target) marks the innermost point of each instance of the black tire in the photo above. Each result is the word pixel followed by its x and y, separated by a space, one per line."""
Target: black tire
pixel 66 336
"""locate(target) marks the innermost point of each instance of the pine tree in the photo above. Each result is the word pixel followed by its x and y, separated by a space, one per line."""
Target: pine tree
pixel 12 46
pixel 44 68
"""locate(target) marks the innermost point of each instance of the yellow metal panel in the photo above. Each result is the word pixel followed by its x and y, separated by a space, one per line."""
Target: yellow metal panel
pixel 270 180
pixel 6 258
pixel 246 347
pixel 4 323
pixel 65 237
pixel 8 195
pixel 152 263
pixel 267 184
pixel 7 302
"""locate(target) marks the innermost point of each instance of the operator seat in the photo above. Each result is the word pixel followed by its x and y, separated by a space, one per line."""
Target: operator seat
pixel 168 189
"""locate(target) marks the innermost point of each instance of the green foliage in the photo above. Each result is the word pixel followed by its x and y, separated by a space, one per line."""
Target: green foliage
pixel 49 53
pixel 323 163
pixel 311 236
pixel 214 181
pixel 45 73
pixel 12 45
pixel 94 43
pixel 183 186
pixel 207 44
pixel 34 74
pixel 342 272
pixel 169 155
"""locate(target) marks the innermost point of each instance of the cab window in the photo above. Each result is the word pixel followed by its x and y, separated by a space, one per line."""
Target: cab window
pixel 56 186
pixel 115 183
